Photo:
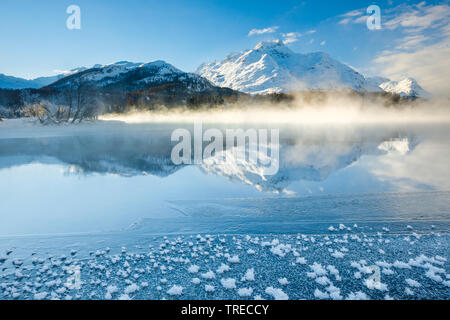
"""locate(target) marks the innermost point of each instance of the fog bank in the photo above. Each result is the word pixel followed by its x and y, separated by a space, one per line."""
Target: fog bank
pixel 329 108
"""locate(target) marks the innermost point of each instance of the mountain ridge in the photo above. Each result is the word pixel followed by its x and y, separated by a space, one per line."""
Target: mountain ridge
pixel 13 83
pixel 272 67
pixel 130 76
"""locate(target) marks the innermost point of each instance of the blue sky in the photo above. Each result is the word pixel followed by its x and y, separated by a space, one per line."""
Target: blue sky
pixel 36 42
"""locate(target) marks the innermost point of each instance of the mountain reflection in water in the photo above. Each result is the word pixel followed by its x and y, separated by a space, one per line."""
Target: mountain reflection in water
pixel 111 175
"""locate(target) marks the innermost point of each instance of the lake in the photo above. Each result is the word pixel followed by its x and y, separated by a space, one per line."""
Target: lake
pixel 113 184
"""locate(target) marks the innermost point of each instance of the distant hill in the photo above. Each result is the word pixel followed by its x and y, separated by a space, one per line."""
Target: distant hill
pixel 119 86
pixel 10 82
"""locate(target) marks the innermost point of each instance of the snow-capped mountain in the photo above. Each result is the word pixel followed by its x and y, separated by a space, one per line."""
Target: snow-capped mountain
pixel 269 67
pixel 273 67
pixel 10 82
pixel 45 81
pixel 129 76
pixel 407 87
pixel 119 76
pixel 115 86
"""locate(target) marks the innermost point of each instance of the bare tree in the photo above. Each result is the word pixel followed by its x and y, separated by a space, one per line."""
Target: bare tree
pixel 84 106
pixel 72 105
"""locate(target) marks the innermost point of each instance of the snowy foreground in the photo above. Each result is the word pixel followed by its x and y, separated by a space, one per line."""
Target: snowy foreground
pixel 343 262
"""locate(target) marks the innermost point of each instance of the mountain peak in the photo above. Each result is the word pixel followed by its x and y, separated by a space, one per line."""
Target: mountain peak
pixel 408 87
pixel 123 64
pixel 269 44
pixel 129 76
pixel 409 81
pixel 272 67
pixel 272 46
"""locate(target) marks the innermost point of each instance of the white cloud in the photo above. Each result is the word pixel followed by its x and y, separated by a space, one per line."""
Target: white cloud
pixel 323 43
pixel 262 31
pixel 362 19
pixel 423 51
pixel 421 17
pixel 353 13
pixel 291 37
pixel 430 65
pixel 292 34
pixel 408 172
pixel 289 40
pixel 345 21
pixel 413 41
pixel 417 16
pixel 352 16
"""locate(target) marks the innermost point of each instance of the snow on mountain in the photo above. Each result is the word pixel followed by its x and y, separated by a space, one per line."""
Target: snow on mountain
pixel 273 67
pixel 373 84
pixel 10 82
pixel 129 76
pixel 269 67
pixel 45 81
pixel 407 87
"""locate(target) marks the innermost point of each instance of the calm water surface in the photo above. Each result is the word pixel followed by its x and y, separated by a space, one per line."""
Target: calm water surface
pixel 110 176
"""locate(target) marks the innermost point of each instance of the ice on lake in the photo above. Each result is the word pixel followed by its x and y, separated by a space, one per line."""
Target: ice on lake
pixel 100 212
